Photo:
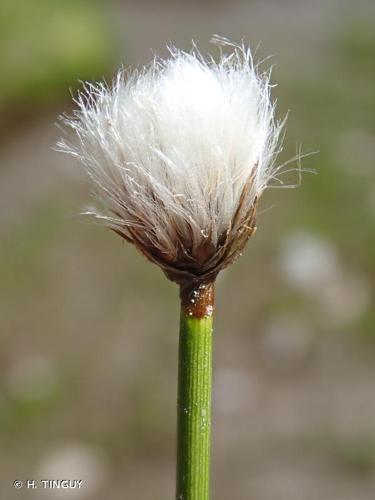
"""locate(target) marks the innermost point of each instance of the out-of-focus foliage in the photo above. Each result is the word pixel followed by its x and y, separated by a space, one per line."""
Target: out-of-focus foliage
pixel 337 108
pixel 47 45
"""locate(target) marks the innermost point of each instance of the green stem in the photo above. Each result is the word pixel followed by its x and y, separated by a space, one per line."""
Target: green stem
pixel 194 393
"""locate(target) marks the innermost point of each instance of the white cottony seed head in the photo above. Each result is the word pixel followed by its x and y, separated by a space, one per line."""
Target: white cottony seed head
pixel 178 154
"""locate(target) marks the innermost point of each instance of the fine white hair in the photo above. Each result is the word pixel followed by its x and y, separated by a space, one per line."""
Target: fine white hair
pixel 178 154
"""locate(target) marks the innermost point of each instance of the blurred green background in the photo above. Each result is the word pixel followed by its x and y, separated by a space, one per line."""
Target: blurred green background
pixel 88 353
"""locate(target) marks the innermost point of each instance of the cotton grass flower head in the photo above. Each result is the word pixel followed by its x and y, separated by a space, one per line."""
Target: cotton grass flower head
pixel 178 154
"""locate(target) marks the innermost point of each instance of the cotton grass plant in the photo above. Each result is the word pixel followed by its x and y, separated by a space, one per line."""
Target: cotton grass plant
pixel 178 154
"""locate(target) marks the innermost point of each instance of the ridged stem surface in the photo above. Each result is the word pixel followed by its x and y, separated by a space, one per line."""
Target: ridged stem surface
pixel 194 395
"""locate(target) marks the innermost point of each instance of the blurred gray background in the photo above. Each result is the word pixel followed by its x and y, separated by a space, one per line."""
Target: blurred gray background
pixel 88 351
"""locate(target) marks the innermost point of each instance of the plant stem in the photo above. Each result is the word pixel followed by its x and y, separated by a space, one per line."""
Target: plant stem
pixel 194 392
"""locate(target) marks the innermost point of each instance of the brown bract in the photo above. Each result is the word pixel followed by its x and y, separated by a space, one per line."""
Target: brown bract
pixel 205 261
pixel 200 262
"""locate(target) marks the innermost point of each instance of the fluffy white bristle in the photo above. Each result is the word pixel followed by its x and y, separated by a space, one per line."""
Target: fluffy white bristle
pixel 178 153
